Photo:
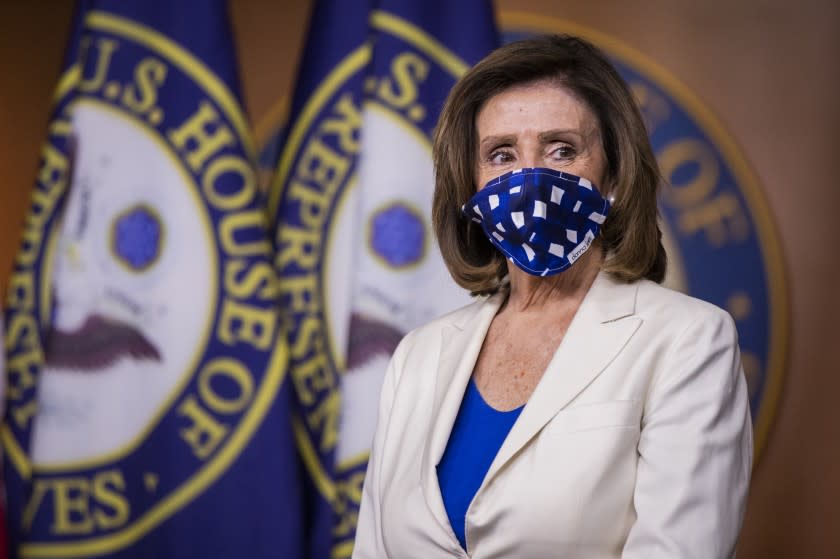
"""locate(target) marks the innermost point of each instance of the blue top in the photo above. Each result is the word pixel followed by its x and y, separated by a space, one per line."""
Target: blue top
pixel 477 435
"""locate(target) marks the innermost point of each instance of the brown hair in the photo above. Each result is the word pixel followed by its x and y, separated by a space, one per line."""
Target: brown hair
pixel 630 236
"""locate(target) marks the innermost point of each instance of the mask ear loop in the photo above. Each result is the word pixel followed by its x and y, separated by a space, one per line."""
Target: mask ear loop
pixel 469 223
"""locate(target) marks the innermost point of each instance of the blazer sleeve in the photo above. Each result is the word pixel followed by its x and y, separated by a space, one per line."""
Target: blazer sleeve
pixel 695 449
pixel 369 543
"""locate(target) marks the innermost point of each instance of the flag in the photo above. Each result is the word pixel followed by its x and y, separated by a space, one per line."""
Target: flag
pixel 147 403
pixel 351 215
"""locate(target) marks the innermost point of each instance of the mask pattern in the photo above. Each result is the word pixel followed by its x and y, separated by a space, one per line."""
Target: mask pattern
pixel 543 220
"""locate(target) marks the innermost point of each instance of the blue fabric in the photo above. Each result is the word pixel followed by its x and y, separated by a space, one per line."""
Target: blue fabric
pixel 542 219
pixel 477 436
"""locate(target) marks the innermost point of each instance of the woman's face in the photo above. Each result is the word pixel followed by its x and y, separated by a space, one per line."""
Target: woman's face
pixel 541 124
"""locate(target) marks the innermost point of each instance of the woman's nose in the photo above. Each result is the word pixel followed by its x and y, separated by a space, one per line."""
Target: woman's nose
pixel 528 160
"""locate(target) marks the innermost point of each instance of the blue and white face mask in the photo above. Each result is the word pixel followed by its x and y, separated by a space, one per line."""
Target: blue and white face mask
pixel 542 219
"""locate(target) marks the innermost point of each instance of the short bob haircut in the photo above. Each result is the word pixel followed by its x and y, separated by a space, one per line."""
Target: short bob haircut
pixel 630 237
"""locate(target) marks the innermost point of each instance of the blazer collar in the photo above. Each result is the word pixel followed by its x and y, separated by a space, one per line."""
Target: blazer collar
pixel 461 341
pixel 600 329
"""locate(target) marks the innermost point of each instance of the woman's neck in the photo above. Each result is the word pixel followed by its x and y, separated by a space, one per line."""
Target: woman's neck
pixel 533 293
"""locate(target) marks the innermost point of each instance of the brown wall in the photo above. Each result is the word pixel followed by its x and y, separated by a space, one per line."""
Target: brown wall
pixel 766 68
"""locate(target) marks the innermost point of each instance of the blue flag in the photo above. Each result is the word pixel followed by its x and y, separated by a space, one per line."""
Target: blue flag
pixel 147 403
pixel 351 210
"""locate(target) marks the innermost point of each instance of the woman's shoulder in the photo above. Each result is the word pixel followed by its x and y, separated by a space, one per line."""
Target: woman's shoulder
pixel 419 348
pixel 433 329
pixel 663 307
pixel 654 298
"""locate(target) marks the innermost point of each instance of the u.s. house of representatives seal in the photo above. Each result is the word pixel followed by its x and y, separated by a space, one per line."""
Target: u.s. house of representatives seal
pixel 146 267
pixel 718 231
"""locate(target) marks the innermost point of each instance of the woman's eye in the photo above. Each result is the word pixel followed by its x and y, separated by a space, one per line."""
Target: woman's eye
pixel 563 152
pixel 498 157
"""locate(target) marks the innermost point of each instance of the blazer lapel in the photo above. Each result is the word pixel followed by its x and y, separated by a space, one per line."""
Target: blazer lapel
pixel 600 329
pixel 461 342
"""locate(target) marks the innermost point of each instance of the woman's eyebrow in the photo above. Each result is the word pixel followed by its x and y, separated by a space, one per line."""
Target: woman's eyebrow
pixel 550 135
pixel 499 140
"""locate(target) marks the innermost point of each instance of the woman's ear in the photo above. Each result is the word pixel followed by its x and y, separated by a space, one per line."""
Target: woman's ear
pixel 607 188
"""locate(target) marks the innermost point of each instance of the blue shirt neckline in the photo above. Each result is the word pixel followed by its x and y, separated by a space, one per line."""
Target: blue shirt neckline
pixel 477 435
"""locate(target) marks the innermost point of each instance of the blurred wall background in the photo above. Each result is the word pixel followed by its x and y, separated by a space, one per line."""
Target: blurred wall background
pixel 766 68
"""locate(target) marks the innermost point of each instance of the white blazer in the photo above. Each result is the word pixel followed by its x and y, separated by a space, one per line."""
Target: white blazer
pixel 636 443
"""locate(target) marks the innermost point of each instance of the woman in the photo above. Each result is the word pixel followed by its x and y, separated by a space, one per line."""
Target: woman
pixel 577 408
